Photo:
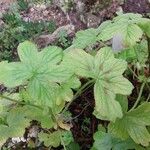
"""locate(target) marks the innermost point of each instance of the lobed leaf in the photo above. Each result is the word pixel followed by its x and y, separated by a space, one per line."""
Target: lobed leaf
pixel 134 124
pixel 107 72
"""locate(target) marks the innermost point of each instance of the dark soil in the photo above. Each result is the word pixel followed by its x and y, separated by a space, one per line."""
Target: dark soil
pixel 136 6
pixel 84 122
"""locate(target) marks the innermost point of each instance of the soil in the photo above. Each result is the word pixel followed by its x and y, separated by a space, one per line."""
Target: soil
pixel 84 122
pixel 137 6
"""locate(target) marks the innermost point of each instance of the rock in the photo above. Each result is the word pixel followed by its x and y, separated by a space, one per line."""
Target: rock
pixel 92 21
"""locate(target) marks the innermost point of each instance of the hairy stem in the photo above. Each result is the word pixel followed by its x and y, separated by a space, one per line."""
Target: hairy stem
pixel 139 96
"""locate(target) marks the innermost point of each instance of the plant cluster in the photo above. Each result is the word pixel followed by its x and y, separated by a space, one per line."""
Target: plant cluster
pixel 48 80
pixel 15 30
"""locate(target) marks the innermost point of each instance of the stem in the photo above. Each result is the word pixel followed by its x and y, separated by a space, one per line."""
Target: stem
pixel 18 102
pixel 132 72
pixel 85 86
pixel 148 40
pixel 148 98
pixel 10 99
pixel 139 96
pixel 82 88
pixel 148 86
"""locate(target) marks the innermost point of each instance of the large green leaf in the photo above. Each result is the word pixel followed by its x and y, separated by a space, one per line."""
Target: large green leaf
pixel 134 124
pixel 107 72
pixel 39 70
pixel 109 81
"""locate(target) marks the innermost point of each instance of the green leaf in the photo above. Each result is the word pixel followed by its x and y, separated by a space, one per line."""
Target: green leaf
pixel 105 141
pixel 52 139
pixel 123 102
pixel 88 37
pixel 34 113
pixel 55 138
pixel 134 124
pixel 41 91
pixel 15 125
pixel 145 26
pixel 79 61
pixel 84 38
pixel 141 50
pixel 67 137
pixel 13 74
pixel 127 54
pixel 106 107
pixel 139 53
pixel 51 54
pixel 39 70
pixel 126 26
pixel 109 82
pixel 107 72
pixel 73 146
pixel 27 52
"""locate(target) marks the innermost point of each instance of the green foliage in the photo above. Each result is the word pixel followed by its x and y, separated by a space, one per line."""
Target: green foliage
pixel 134 124
pixel 23 5
pixel 63 40
pixel 128 25
pixel 56 138
pixel 15 31
pixel 48 80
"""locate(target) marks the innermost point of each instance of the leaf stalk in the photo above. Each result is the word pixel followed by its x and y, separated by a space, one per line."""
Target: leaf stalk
pixel 139 96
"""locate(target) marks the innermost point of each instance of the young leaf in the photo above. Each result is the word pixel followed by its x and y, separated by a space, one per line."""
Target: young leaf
pixel 134 124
